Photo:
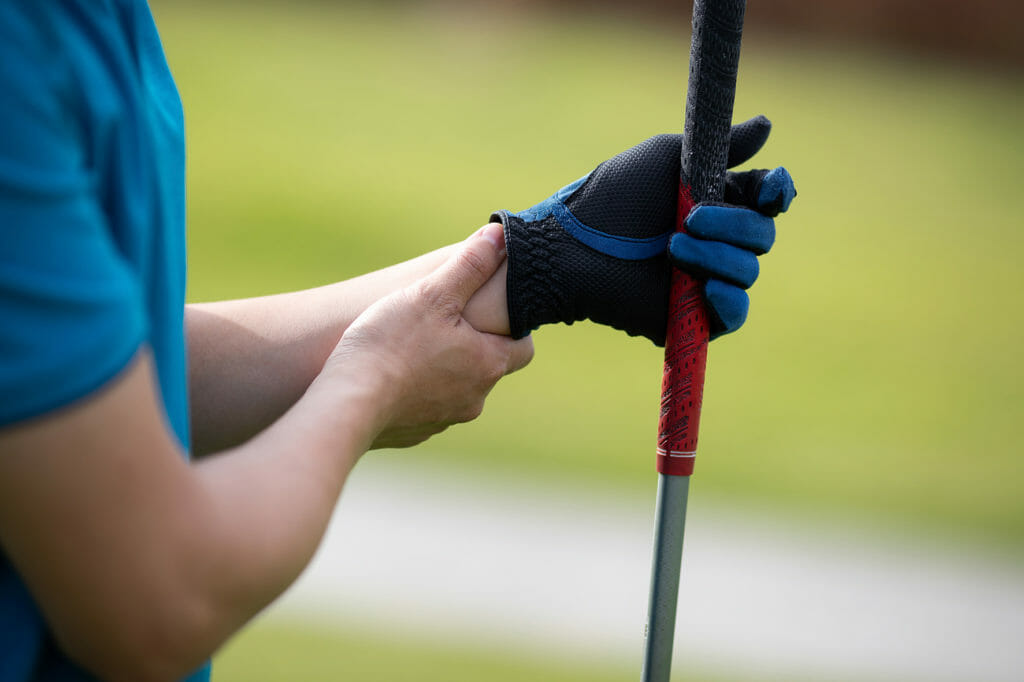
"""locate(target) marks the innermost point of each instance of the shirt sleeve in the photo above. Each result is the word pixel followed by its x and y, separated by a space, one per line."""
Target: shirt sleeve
pixel 71 312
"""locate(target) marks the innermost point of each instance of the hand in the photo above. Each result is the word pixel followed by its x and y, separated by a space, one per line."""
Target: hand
pixel 600 247
pixel 722 242
pixel 424 364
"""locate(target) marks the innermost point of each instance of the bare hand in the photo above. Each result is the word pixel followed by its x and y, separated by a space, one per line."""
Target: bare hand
pixel 427 367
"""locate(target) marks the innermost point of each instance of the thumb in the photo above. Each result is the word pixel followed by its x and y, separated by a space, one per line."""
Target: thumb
pixel 747 138
pixel 473 263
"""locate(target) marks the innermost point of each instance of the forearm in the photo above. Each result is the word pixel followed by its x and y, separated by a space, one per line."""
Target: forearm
pixel 267 504
pixel 143 564
pixel 251 359
pixel 258 514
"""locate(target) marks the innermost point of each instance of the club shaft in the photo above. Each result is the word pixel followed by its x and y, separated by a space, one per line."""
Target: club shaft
pixel 670 521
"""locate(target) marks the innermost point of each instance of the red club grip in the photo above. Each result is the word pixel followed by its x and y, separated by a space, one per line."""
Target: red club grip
pixel 686 353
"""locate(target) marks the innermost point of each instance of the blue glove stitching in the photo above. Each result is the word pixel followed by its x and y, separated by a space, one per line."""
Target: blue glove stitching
pixel 616 246
pixel 624 248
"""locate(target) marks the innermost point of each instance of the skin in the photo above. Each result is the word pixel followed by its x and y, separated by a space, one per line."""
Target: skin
pixel 274 346
pixel 144 563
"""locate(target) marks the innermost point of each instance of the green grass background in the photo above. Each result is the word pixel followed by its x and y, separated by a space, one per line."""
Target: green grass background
pixel 290 651
pixel 879 375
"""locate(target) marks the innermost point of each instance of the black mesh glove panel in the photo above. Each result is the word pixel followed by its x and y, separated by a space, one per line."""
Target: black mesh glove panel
pixel 597 248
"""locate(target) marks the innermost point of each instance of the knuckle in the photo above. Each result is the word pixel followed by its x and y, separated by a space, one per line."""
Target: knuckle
pixel 433 296
pixel 495 364
pixel 472 411
pixel 525 352
pixel 487 371
pixel 519 354
pixel 423 290
pixel 755 269
pixel 447 304
pixel 494 372
pixel 769 237
pixel 472 261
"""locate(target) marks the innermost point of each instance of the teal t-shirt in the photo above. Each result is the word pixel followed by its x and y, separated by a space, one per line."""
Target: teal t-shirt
pixel 92 237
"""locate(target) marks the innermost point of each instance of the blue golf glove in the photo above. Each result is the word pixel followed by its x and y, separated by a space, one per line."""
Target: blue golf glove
pixel 602 248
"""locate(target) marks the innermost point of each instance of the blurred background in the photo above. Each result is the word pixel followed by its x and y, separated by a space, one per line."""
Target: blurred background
pixel 861 437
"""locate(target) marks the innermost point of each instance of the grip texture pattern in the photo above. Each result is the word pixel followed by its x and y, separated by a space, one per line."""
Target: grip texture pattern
pixel 714 62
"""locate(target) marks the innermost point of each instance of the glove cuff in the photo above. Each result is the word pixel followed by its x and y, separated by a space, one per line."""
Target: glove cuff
pixel 553 277
pixel 535 291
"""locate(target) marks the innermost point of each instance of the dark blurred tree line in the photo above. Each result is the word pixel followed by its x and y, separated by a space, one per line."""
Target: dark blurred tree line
pixel 986 31
pixel 989 32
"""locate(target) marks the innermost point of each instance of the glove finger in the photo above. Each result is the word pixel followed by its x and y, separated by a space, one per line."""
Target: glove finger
pixel 777 192
pixel 740 227
pixel 768 191
pixel 728 306
pixel 714 260
pixel 746 139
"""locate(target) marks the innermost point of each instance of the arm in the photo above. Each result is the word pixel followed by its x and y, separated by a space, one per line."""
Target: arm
pixel 251 359
pixel 610 269
pixel 143 564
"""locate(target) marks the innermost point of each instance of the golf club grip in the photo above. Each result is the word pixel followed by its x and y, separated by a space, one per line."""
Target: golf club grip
pixel 714 61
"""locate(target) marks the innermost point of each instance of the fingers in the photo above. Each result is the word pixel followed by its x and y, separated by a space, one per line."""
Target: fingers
pixel 503 355
pixel 746 139
pixel 473 263
pixel 728 306
pixel 777 192
pixel 487 309
pixel 520 352
pixel 740 227
pixel 714 259
pixel 770 192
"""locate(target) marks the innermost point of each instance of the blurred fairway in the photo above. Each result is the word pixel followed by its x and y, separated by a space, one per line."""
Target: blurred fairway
pixel 275 652
pixel 880 373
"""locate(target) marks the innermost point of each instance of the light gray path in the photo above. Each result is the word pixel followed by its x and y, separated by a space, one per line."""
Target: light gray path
pixel 565 573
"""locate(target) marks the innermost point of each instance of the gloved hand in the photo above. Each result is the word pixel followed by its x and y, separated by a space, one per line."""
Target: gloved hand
pixel 602 247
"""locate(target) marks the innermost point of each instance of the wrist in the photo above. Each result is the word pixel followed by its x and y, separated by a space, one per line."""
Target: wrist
pixel 488 310
pixel 554 277
pixel 536 292
pixel 352 404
